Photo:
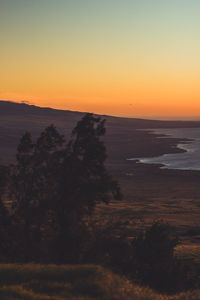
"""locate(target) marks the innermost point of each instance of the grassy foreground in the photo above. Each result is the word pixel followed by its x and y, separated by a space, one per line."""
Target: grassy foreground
pixel 81 282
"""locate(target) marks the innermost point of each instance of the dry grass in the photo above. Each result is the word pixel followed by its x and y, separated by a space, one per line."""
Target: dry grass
pixel 86 282
pixel 189 252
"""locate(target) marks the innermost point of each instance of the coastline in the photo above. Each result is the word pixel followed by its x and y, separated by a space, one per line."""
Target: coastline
pixel 166 160
pixel 150 192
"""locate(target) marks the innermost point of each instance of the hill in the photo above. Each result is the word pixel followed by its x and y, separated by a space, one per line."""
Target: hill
pixel 149 192
pixel 73 282
pixel 16 118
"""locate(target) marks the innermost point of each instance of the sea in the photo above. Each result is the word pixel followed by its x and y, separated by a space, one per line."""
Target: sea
pixel 188 160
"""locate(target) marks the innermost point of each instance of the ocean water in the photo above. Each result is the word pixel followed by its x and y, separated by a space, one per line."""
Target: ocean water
pixel 189 160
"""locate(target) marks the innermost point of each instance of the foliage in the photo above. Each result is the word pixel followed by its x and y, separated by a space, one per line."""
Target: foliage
pixel 154 262
pixel 32 185
pixel 107 246
pixel 5 219
pixel 84 181
pixel 55 185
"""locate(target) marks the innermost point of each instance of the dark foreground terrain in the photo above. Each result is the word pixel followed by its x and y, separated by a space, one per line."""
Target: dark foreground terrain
pixel 149 192
pixel 77 282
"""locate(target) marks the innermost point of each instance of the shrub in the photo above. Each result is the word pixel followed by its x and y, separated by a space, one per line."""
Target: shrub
pixel 154 262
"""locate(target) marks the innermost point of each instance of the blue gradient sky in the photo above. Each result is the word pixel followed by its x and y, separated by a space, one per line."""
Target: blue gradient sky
pixel 131 58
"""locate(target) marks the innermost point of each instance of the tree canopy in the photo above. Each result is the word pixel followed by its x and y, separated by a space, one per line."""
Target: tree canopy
pixel 56 184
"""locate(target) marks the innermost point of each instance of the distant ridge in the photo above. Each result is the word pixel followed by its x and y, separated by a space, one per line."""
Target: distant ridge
pixel 16 118
pixel 11 107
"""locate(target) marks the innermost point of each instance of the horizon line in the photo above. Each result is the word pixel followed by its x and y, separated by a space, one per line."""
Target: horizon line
pixel 156 118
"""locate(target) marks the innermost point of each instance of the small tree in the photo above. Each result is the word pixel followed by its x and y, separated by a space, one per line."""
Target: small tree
pixel 33 184
pixel 47 159
pixel 84 177
pixel 5 220
pixel 56 186
pixel 154 262
pixel 84 182
pixel 22 190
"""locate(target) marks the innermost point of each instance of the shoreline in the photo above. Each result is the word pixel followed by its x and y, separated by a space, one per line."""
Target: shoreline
pixel 178 148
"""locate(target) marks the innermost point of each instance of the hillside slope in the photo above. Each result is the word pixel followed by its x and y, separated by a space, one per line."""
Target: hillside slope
pixel 149 192
pixel 78 282
pixel 17 118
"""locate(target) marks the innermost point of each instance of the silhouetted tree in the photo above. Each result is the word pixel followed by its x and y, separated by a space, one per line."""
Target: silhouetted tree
pixel 5 219
pixel 56 186
pixel 84 182
pixel 47 159
pixel 109 245
pixel 22 190
pixel 84 177
pixel 154 262
pixel 33 183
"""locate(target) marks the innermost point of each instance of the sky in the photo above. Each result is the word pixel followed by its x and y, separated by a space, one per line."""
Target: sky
pixel 132 58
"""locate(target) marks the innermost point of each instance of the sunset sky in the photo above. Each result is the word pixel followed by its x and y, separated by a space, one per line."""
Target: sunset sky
pixel 135 58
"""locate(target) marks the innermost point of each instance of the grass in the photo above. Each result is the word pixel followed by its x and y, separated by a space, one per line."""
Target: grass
pixel 190 252
pixel 73 282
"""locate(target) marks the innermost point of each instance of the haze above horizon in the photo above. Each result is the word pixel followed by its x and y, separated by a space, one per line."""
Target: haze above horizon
pixel 131 58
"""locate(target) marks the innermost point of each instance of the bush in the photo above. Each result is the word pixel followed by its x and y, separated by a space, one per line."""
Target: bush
pixel 154 262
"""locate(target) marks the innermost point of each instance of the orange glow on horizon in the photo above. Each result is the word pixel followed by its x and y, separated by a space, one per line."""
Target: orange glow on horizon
pixel 137 109
pixel 123 58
